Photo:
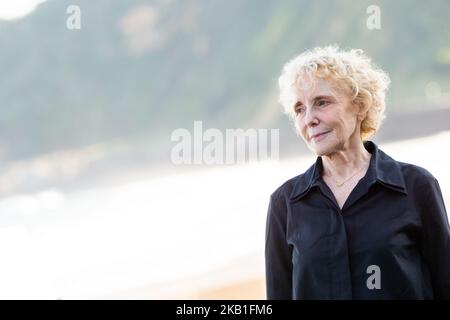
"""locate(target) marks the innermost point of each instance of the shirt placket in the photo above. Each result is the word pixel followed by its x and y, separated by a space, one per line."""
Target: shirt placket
pixel 339 263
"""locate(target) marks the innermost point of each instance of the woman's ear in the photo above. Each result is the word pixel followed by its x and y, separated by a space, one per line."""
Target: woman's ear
pixel 364 116
pixel 357 110
pixel 360 117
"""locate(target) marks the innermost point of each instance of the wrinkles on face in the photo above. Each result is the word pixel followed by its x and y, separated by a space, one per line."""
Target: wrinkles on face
pixel 324 116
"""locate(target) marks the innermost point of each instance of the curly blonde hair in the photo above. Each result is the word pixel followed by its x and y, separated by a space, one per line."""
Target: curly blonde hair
pixel 350 70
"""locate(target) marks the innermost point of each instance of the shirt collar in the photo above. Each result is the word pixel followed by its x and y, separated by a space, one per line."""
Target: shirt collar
pixel 382 168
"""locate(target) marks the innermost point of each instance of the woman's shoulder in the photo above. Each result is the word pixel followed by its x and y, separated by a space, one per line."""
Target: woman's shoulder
pixel 416 174
pixel 285 190
pixel 419 182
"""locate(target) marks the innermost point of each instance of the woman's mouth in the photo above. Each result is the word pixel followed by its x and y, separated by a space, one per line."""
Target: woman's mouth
pixel 319 136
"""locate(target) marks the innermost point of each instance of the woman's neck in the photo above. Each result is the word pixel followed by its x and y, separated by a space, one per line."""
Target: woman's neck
pixel 345 162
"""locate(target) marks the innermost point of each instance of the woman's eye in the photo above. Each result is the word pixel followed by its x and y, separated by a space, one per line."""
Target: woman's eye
pixel 299 110
pixel 322 103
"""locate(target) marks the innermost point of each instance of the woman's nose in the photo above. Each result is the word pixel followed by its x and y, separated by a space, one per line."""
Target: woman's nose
pixel 310 117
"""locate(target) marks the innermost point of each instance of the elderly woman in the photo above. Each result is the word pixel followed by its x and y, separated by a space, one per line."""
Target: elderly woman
pixel 357 224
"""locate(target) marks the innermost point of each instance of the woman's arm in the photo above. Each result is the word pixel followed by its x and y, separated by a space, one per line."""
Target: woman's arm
pixel 436 238
pixel 277 252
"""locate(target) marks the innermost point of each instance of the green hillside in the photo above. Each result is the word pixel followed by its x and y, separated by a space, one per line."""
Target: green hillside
pixel 139 69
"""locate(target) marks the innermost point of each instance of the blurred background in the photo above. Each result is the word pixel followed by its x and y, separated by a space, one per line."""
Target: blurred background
pixel 91 205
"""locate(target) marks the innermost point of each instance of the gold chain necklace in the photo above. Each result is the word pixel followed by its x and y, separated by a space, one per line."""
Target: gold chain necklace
pixel 342 183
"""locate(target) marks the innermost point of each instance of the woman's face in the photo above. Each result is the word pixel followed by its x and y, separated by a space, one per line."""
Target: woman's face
pixel 325 118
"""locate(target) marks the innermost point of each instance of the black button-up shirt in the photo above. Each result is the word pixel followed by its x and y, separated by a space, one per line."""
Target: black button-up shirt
pixel 391 240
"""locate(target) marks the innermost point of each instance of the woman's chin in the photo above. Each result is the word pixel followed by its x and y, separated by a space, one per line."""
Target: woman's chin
pixel 320 148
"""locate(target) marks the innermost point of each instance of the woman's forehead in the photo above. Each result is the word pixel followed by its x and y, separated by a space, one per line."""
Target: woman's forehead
pixel 309 88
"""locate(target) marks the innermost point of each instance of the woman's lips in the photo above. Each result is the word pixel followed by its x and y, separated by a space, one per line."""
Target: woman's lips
pixel 319 136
